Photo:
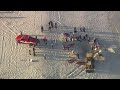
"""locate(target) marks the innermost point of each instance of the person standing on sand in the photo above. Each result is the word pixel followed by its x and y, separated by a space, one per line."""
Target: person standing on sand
pixel 44 56
pixel 84 38
pixel 55 41
pixel 88 39
pixel 83 29
pixel 52 45
pixel 80 29
pixel 86 35
pixel 42 29
pixel 71 38
pixel 45 40
pixel 49 28
pixel 95 40
pixel 29 52
pixel 21 33
pixel 33 51
pixel 75 31
pixel 50 24
pixel 68 48
pixel 56 25
pixel 64 46
pixel 78 55
pixel 79 38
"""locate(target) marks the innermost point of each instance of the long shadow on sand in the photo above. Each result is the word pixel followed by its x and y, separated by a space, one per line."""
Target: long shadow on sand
pixel 112 63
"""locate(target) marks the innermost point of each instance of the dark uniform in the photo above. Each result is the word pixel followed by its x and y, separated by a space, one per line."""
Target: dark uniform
pixel 50 24
pixel 52 45
pixel 56 25
pixel 42 29
pixel 75 31
pixel 86 35
pixel 80 29
pixel 78 55
pixel 83 29
pixel 33 51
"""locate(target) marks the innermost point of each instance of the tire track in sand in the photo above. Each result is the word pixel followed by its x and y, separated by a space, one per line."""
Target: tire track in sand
pixel 13 49
pixel 75 72
pixel 9 41
pixel 2 46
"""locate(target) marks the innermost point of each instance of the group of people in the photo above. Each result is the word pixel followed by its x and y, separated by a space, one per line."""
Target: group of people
pixel 52 43
pixel 96 48
pixel 80 38
pixel 82 29
pixel 51 25
pixel 74 36
pixel 83 36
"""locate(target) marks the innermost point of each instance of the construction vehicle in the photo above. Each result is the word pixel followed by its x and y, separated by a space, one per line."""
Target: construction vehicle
pixel 89 64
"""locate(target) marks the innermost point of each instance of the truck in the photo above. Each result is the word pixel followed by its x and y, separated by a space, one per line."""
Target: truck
pixel 89 64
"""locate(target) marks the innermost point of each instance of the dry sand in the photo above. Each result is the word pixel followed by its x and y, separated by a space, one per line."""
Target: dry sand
pixel 14 60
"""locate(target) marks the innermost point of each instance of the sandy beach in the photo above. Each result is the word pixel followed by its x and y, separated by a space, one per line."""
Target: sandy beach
pixel 15 59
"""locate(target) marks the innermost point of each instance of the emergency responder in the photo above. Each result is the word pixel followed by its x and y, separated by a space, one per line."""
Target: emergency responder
pixel 83 29
pixel 29 52
pixel 52 45
pixel 34 51
pixel 88 39
pixel 44 56
pixel 78 55
pixel 45 40
pixel 95 40
pixel 79 38
pixel 56 25
pixel 49 28
pixel 42 29
pixel 21 33
pixel 75 31
pixel 50 24
pixel 80 29
pixel 86 35
pixel 84 38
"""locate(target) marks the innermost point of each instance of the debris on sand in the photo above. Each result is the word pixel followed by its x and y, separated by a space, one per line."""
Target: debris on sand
pixel 110 50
